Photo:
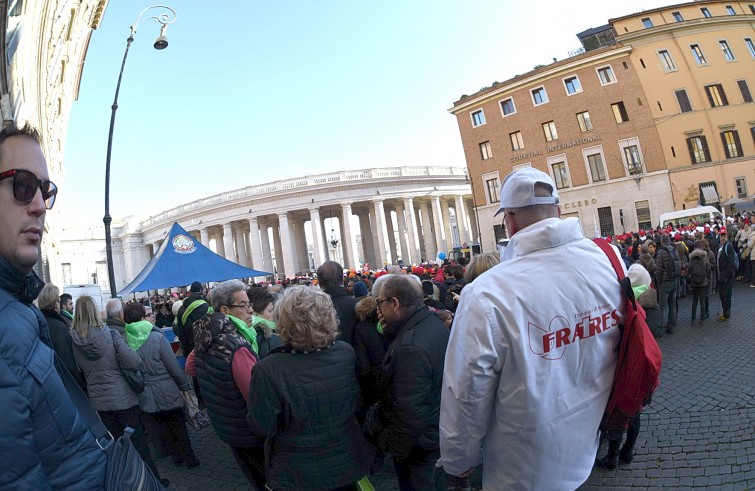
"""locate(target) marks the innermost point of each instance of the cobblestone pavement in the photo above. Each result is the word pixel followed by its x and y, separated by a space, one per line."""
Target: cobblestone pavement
pixel 698 433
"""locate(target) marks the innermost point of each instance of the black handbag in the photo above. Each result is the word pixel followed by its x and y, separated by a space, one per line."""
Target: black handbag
pixel 126 471
pixel 135 378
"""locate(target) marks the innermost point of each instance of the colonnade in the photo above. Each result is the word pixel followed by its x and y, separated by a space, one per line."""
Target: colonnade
pixel 379 231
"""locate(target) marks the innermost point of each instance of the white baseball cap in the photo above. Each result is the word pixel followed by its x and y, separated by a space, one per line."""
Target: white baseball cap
pixel 518 189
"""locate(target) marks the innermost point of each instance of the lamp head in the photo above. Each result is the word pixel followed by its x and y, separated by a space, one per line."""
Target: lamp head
pixel 162 40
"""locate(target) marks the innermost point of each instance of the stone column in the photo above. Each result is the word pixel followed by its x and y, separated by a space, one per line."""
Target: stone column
pixel 317 241
pixel 431 247
pixel 411 230
pixel 367 243
pixel 229 253
pixel 204 237
pixel 392 249
pixel 219 243
pixel 380 232
pixel 278 251
pixel 255 248
pixel 402 233
pixel 473 226
pixel 300 245
pixel 155 248
pixel 267 256
pixel 241 245
pixel 286 245
pixel 438 225
pixel 447 229
pixel 462 220
pixel 348 240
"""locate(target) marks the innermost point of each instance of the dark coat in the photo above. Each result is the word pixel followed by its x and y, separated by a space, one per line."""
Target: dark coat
pixel 185 330
pixel 266 342
pixel 304 403
pixel 725 263
pixel 117 325
pixel 344 305
pixel 663 260
pixel 370 347
pixel 164 379
pixel 698 258
pixel 409 384
pixel 60 328
pixel 647 261
pixel 45 442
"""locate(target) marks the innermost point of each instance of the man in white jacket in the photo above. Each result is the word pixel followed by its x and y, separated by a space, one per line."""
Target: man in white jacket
pixel 532 352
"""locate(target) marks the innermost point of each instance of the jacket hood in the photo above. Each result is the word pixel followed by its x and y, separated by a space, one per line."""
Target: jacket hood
pixel 366 309
pixel 24 287
pixel 137 333
pixel 698 253
pixel 88 344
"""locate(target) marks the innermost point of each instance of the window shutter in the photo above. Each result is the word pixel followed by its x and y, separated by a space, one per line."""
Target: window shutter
pixel 723 95
pixel 691 151
pixel 704 141
pixel 738 143
pixel 726 146
pixel 710 97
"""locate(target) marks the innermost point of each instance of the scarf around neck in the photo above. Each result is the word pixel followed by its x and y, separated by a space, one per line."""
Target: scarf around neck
pixel 247 332
pixel 137 333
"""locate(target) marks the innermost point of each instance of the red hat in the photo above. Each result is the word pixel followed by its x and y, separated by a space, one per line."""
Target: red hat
pixel 706 229
pixel 722 230
pixel 678 236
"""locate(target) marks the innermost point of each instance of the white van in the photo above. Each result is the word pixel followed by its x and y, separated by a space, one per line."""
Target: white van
pixel 681 218
pixel 94 291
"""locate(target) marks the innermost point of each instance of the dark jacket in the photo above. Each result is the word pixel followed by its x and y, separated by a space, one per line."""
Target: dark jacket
pixel 304 403
pixel 185 330
pixel 344 305
pixel 266 341
pixel 108 389
pixel 45 442
pixel 163 377
pixel 409 384
pixel 725 263
pixel 698 258
pixel 118 325
pixel 164 320
pixel 663 263
pixel 60 336
pixel 226 406
pixel 647 261
pixel 370 347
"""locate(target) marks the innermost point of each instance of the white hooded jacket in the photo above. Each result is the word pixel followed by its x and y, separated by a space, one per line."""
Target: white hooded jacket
pixel 530 362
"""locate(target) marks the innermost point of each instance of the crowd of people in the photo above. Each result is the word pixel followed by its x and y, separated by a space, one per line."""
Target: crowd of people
pixel 490 374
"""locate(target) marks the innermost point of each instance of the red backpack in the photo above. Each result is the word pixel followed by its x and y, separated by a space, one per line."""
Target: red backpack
pixel 638 364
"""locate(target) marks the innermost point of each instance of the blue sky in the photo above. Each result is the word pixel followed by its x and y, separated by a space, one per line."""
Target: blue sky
pixel 250 92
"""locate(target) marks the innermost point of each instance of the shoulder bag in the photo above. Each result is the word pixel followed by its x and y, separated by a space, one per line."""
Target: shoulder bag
pixel 135 378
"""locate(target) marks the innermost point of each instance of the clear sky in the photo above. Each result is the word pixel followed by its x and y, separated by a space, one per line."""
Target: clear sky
pixel 251 92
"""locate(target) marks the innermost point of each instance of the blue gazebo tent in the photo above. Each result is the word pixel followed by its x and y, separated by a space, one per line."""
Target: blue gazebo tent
pixel 181 260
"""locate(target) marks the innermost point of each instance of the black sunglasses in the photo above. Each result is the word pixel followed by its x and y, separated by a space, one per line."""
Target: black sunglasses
pixel 25 185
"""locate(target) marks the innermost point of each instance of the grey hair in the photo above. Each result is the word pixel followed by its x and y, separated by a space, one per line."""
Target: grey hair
pixel 113 307
pixel 378 284
pixel 222 294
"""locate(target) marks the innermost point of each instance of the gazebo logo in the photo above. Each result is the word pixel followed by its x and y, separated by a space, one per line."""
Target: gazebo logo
pixel 183 244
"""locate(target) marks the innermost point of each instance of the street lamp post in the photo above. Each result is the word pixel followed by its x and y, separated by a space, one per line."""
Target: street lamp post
pixel 161 42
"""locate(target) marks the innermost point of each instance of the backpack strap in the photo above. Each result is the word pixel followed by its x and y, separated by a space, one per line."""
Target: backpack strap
pixel 626 285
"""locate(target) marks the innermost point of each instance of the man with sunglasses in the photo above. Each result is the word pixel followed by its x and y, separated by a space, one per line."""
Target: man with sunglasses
pixel 46 444
pixel 531 358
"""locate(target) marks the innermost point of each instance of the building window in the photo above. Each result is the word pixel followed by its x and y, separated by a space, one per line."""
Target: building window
pixel 507 107
pixel 517 142
pixel 706 12
pixel 478 118
pixel 697 53
pixel 647 22
pixel 572 85
pixel 619 112
pixel 728 55
pixel 485 151
pixel 632 159
pixel 560 175
pixel 750 46
pixel 666 61
pixel 605 219
pixel 539 96
pixel 597 171
pixel 683 100
pixel 585 123
pixel 745 90
pixel 549 129
pixel 716 95
pixel 752 9
pixel 606 76
pixel 66 274
pixel 730 10
pixel 642 208
pixel 677 16
pixel 698 149
pixel 732 145
pixel 493 188
pixel 741 183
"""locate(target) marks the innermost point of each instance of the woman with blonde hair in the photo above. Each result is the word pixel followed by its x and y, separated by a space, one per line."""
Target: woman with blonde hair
pixel 48 302
pixel 479 265
pixel 302 398
pixel 94 348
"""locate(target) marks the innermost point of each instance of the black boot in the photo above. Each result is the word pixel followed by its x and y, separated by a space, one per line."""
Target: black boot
pixel 626 455
pixel 611 459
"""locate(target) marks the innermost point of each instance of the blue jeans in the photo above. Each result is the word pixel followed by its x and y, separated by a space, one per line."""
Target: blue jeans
pixel 667 300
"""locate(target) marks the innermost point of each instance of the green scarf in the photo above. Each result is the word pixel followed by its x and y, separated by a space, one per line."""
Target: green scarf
pixel 639 290
pixel 261 320
pixel 247 332
pixel 137 333
pixel 380 327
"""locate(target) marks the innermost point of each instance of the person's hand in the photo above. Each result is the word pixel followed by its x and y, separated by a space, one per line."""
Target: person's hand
pixel 456 296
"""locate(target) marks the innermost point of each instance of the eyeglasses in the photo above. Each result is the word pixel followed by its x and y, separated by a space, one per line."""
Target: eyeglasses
pixel 241 306
pixel 25 185
pixel 381 301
